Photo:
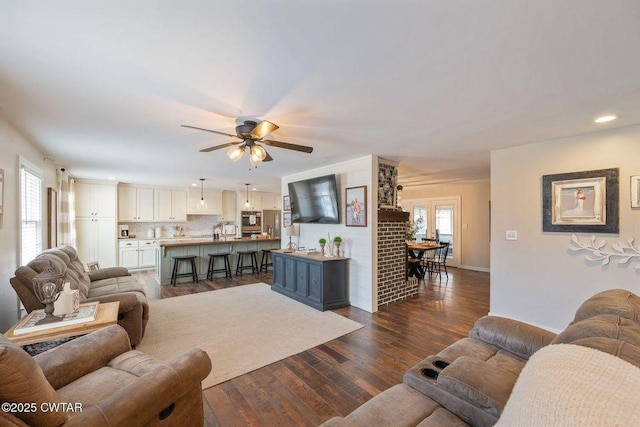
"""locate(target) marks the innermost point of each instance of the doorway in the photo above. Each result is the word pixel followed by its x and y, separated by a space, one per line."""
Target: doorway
pixel 441 221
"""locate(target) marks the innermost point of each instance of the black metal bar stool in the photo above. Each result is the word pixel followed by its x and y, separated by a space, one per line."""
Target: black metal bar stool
pixel 176 262
pixel 266 260
pixel 212 262
pixel 240 265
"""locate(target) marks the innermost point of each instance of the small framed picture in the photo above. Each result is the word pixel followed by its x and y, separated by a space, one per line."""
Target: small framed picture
pixel 583 202
pixel 286 219
pixel 356 206
pixel 286 203
pixel 635 191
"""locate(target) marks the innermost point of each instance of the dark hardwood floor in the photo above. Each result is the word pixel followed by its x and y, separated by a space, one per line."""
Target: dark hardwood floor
pixel 338 376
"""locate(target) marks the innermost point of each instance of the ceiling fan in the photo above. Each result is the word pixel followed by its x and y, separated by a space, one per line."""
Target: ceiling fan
pixel 250 133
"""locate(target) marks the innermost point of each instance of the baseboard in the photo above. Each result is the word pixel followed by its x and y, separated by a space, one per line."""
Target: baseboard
pixel 474 268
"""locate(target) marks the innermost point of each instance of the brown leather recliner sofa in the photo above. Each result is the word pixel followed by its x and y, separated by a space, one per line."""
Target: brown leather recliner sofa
pixel 97 380
pixel 104 285
pixel 471 382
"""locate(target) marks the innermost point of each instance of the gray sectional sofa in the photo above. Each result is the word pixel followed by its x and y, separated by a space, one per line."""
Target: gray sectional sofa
pixel 471 382
pixel 104 285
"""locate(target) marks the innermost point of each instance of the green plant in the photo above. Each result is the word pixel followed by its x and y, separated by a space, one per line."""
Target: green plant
pixel 322 241
pixel 413 227
pixel 337 239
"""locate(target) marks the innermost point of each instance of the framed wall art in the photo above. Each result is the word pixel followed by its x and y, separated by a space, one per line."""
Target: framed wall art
pixel 286 220
pixel 286 203
pixel 387 176
pixel 356 206
pixel 582 202
pixel 635 191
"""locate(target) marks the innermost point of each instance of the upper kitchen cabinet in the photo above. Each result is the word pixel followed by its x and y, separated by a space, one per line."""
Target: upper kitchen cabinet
pixel 255 202
pixel 135 204
pixel 170 205
pixel 229 206
pixel 212 202
pixel 271 201
pixel 95 200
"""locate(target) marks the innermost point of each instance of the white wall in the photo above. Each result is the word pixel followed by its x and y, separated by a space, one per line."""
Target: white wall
pixel 536 278
pixel 12 145
pixel 474 211
pixel 357 242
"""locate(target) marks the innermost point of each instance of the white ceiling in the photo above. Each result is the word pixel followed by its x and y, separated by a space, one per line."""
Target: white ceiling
pixel 103 86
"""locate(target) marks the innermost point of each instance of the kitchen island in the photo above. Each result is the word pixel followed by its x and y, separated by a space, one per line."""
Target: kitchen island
pixel 202 247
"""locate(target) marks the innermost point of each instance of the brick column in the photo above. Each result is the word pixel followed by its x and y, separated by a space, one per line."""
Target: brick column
pixel 392 258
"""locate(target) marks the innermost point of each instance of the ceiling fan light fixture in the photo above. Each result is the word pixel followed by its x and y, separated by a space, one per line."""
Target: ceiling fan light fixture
pixel 258 153
pixel 235 153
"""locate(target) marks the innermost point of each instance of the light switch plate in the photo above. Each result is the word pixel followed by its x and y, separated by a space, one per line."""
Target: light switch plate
pixel 511 235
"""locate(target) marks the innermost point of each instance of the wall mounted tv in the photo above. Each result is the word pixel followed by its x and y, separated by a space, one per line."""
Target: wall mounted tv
pixel 314 200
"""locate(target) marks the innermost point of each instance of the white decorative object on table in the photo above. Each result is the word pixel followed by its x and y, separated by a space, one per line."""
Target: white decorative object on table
pixel 67 302
pixel 625 251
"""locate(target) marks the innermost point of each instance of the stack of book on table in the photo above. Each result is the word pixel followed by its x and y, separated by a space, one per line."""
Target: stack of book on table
pixel 85 313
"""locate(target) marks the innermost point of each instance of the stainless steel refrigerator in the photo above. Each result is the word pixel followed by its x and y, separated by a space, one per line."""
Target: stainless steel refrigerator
pixel 271 222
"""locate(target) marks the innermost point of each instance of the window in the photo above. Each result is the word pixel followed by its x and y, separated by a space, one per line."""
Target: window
pixel 30 211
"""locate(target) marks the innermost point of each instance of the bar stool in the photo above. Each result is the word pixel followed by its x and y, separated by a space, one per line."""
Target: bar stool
pixel 240 266
pixel 176 262
pixel 225 261
pixel 266 260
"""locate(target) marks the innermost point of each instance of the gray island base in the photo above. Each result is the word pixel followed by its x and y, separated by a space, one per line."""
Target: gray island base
pixel 313 279
pixel 202 248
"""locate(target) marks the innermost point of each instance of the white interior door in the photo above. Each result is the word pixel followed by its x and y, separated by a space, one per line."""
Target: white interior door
pixel 442 222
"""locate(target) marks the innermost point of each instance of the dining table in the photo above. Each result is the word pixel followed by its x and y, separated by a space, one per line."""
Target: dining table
pixel 415 254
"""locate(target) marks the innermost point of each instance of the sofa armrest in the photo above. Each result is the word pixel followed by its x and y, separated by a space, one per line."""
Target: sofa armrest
pixel 107 273
pixel 143 400
pixel 511 335
pixel 74 359
pixel 128 300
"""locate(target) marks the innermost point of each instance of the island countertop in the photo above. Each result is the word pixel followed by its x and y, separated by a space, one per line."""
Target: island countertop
pixel 197 241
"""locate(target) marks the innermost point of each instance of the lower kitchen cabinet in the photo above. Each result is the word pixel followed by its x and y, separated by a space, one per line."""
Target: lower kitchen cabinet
pixel 313 279
pixel 137 253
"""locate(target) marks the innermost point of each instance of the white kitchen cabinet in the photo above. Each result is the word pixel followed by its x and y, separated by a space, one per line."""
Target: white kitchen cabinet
pixel 255 201
pixel 229 206
pixel 170 205
pixel 96 222
pixel 271 201
pixel 96 240
pixel 95 200
pixel 137 253
pixel 212 198
pixel 135 204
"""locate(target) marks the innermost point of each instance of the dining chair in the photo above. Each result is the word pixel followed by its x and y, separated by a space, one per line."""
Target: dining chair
pixel 439 260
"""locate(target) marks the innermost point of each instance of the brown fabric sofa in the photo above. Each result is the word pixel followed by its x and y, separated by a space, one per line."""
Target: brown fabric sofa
pixel 100 381
pixel 470 382
pixel 104 285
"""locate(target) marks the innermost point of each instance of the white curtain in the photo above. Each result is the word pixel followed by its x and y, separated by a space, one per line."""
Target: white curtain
pixel 66 209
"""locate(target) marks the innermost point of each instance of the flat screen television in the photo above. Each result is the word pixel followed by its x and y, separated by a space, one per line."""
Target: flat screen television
pixel 314 200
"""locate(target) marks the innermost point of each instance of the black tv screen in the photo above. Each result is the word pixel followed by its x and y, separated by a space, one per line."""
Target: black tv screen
pixel 314 200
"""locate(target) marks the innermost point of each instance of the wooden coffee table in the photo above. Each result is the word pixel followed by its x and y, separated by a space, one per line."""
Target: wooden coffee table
pixel 107 315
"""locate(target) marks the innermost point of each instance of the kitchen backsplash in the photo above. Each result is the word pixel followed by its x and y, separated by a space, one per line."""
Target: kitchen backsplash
pixel 196 225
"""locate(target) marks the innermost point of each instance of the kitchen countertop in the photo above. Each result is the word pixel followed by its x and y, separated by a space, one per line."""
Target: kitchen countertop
pixel 195 241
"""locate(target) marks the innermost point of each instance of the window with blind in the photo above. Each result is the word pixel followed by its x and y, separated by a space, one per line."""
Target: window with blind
pixel 30 212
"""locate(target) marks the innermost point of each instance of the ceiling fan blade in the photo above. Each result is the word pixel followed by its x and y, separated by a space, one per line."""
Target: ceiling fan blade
pixel 268 158
pixel 217 147
pixel 288 146
pixel 263 129
pixel 212 131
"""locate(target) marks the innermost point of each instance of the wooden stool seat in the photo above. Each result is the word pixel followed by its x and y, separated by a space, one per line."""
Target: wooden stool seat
pixel 240 265
pixel 266 260
pixel 176 262
pixel 227 266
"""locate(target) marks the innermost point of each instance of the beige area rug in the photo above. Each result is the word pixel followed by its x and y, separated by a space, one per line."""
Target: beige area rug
pixel 242 328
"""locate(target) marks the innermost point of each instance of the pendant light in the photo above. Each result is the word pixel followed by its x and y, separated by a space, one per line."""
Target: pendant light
pixel 202 204
pixel 246 204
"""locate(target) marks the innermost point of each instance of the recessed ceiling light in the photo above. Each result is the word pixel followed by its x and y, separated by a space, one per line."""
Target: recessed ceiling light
pixel 194 185
pixel 112 178
pixel 605 119
pixel 254 189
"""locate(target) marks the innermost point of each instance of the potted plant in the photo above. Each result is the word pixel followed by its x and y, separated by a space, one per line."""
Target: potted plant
pixel 337 241
pixel 322 241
